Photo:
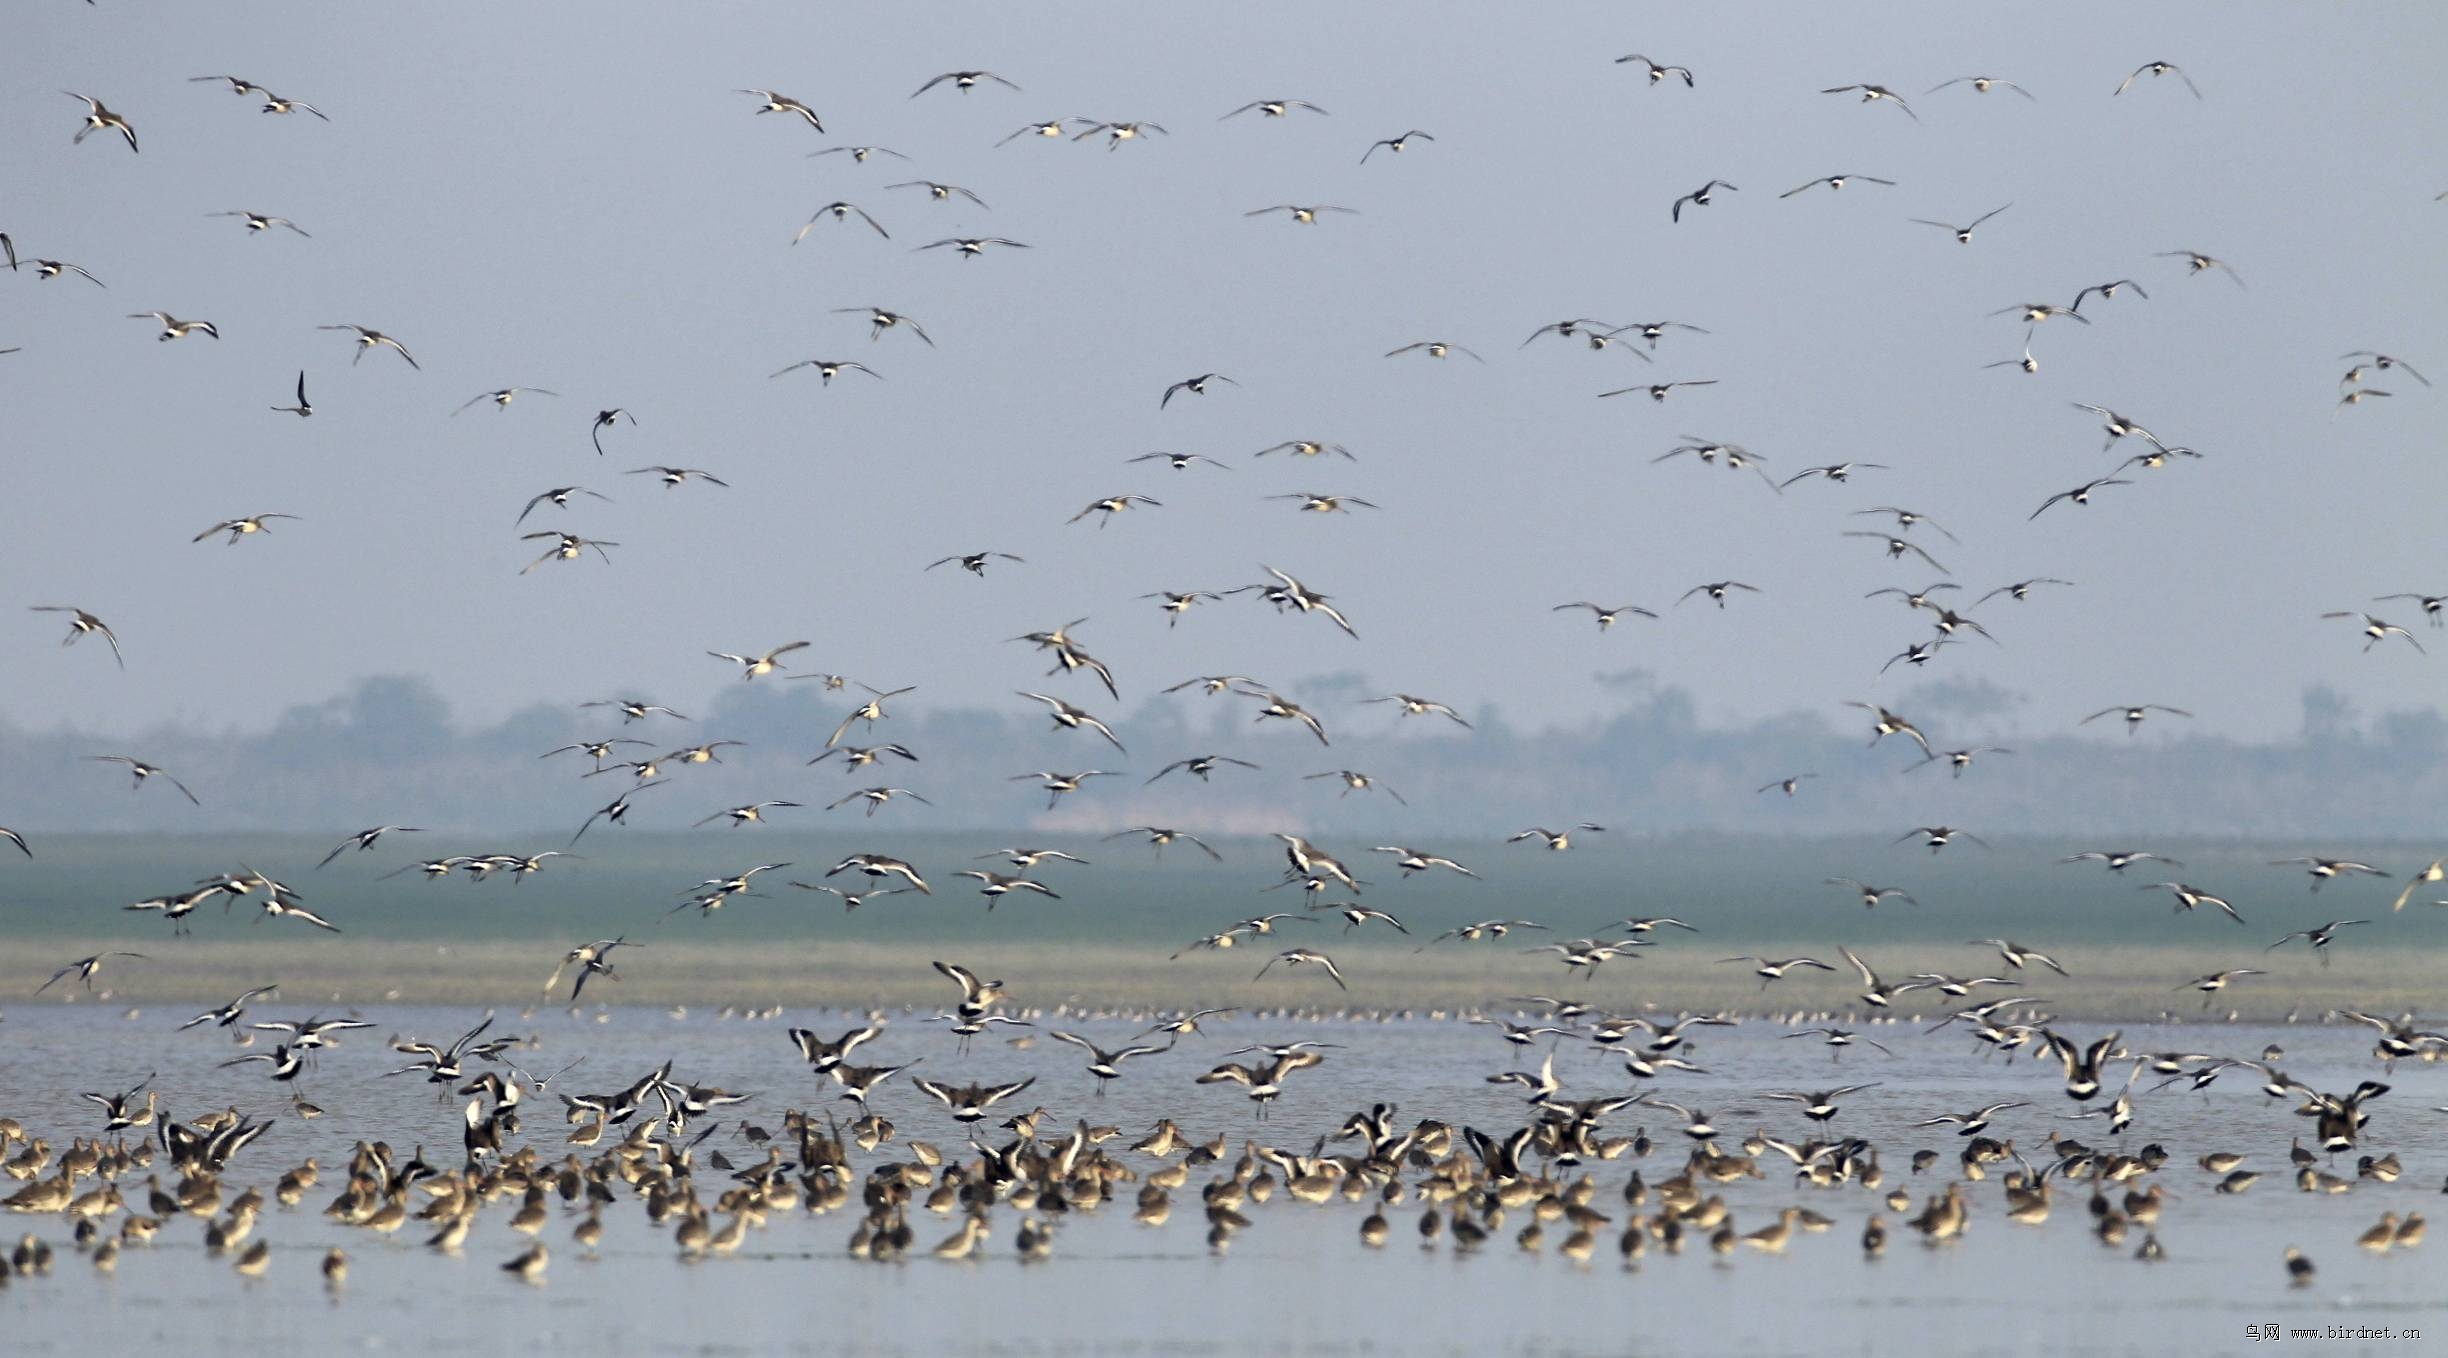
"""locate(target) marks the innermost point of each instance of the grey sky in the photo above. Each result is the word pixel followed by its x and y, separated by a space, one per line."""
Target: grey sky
pixel 574 198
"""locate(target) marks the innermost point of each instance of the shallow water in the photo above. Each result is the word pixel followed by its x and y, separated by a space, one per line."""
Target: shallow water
pixel 1114 1287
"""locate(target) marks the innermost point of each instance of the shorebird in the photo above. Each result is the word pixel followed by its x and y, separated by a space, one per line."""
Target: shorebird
pixel 1607 617
pixel 1303 957
pixel 1263 1083
pixel 604 419
pixel 273 103
pixel 675 477
pixel 964 81
pixel 2437 872
pixel 777 103
pixel 968 1103
pixel 2217 981
pixel 1788 786
pixel 977 994
pixel 1196 386
pixel 1420 707
pixel 85 969
pixel 1200 766
pixel 2319 937
pixel 829 368
pixel 875 797
pixel 1699 197
pixel 2019 590
pixel 1118 133
pixel 1415 860
pixel 1394 144
pixel 971 247
pixel 753 665
pixel 2134 714
pixel 46 269
pixel 304 408
pixel 566 547
pixel 1836 472
pixel 839 211
pixel 1070 718
pixel 822 1055
pixel 121 1111
pixel 240 528
pixel 143 772
pixel 1556 840
pixel 1771 969
pixel 1112 505
pixel 2157 68
pixel 1873 94
pixel 1716 591
pixel 879 320
pixel 1657 73
pixel 851 900
pixel 1972 1123
pixel 1435 349
pixel 1871 895
pixel 880 867
pixel 173 327
pixel 857 757
pixel 502 398
pixel 1838 181
pixel 1937 837
pixel 2197 262
pixel 1897 547
pixel 365 839
pixel 2033 313
pixel 2326 869
pixel 1957 760
pixel 974 562
pixel 1876 993
pixel 1837 1039
pixel 997 885
pixel 1889 724
pixel 1106 1065
pixel 617 812
pixel 261 221
pixel 1272 108
pixel 1287 592
pixel 1186 1024
pixel 1820 1105
pixel 1355 915
pixel 1982 84
pixel 1056 784
pixel 1658 392
pixel 1301 215
pixel 98 118
pixel 861 154
pixel 1058 127
pixel 372 339
pixel 857 1082
pixel 2117 860
pixel 752 813
pixel 2376 631
pixel 558 497
pixel 870 711
pixel 2017 955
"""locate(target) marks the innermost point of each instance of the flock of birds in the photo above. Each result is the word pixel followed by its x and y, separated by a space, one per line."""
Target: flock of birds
pixel 641 1142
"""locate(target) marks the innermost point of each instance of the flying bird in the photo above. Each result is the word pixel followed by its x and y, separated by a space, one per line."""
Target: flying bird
pixel 1395 144
pixel 98 118
pixel 2155 69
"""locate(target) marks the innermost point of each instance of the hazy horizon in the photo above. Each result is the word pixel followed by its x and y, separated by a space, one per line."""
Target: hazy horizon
pixel 392 750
